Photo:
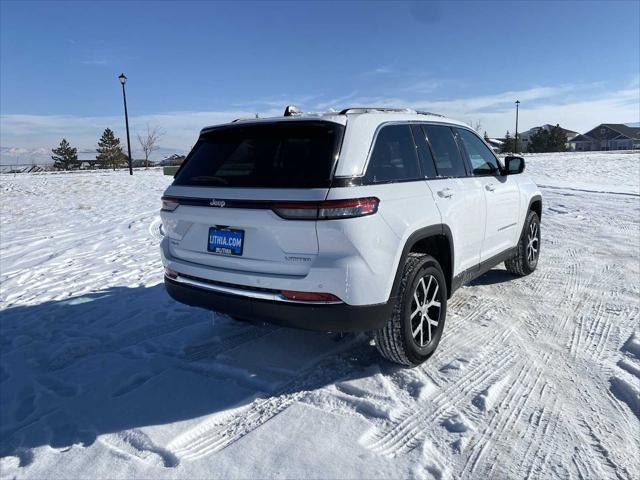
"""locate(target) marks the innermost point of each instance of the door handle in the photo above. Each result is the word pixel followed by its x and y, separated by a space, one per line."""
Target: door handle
pixel 490 186
pixel 446 192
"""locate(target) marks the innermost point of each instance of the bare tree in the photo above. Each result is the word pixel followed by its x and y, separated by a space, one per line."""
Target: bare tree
pixel 149 142
pixel 477 125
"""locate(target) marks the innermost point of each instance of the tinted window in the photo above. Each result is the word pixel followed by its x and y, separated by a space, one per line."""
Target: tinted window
pixel 394 156
pixel 426 159
pixel 445 151
pixel 275 155
pixel 482 161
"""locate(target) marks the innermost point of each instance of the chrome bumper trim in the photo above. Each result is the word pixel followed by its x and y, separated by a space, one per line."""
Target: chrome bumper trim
pixel 241 292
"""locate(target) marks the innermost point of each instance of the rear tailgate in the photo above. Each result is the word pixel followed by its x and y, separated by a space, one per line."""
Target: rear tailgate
pixel 270 244
pixel 228 184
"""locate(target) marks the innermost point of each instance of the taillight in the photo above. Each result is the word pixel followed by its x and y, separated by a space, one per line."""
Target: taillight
pixel 169 204
pixel 309 296
pixel 328 210
pixel 170 273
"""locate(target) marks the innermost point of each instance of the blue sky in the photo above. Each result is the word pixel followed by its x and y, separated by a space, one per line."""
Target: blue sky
pixel 195 63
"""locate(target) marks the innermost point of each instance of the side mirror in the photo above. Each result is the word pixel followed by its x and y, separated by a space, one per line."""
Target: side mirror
pixel 513 165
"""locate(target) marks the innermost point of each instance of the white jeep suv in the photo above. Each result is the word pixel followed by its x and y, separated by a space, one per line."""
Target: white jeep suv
pixel 363 220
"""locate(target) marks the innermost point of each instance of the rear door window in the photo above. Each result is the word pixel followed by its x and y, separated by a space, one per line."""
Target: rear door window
pixel 445 150
pixel 481 159
pixel 271 155
pixel 394 156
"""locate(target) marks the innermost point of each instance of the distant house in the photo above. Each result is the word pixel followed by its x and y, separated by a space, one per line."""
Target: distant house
pixel 90 164
pixel 525 137
pixel 142 163
pixel 174 159
pixel 608 136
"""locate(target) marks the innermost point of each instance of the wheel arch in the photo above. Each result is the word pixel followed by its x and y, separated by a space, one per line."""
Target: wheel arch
pixel 535 204
pixel 434 240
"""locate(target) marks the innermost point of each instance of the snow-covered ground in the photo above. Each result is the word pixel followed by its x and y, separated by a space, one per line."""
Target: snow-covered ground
pixel 103 375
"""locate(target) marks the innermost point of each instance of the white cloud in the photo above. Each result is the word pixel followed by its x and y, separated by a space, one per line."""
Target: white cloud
pixel 334 102
pixel 277 102
pixel 35 131
pixel 577 107
pixel 423 86
pixel 575 113
pixel 384 70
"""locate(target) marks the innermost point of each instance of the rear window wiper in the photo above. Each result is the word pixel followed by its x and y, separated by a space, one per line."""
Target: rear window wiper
pixel 209 179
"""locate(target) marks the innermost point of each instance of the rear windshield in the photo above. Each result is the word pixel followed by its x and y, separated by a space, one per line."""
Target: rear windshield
pixel 275 155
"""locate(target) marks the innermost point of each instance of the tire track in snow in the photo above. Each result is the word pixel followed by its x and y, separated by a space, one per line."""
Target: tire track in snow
pixel 537 462
pixel 592 334
pixel 136 442
pixel 408 431
pixel 213 348
pixel 401 435
pixel 594 321
pixel 584 399
pixel 573 284
pixel 519 391
pixel 538 420
pixel 215 434
pixel 542 281
pixel 594 441
pixel 459 329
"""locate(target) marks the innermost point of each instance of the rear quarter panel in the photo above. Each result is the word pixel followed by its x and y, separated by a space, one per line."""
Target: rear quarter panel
pixel 370 248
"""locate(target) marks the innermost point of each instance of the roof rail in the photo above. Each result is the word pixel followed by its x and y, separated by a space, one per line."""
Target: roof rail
pixel 375 109
pixel 422 112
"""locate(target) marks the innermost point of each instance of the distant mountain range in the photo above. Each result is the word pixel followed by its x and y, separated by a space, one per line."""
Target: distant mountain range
pixel 40 156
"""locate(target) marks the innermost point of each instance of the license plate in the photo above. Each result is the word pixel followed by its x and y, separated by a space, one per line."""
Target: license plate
pixel 225 241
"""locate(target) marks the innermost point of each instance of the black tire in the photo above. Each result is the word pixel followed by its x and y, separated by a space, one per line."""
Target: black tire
pixel 525 261
pixel 395 341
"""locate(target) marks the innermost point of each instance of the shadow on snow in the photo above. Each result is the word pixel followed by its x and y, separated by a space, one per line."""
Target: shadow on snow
pixel 123 358
pixel 493 277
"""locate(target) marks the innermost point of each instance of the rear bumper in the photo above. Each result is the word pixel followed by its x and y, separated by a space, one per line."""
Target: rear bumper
pixel 324 317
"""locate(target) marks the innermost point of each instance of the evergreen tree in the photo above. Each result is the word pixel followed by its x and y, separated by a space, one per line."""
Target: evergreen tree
pixel 64 157
pixel 557 140
pixel 109 150
pixel 508 144
pixel 552 140
pixel 486 137
pixel 539 141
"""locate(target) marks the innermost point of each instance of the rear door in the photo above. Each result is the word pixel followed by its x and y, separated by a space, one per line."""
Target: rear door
pixel 459 197
pixel 227 188
pixel 501 193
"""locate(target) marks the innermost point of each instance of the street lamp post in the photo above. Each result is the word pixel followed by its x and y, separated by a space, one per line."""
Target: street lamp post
pixel 516 140
pixel 123 80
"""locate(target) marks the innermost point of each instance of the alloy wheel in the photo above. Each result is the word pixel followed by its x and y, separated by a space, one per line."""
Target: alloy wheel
pixel 533 243
pixel 425 310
